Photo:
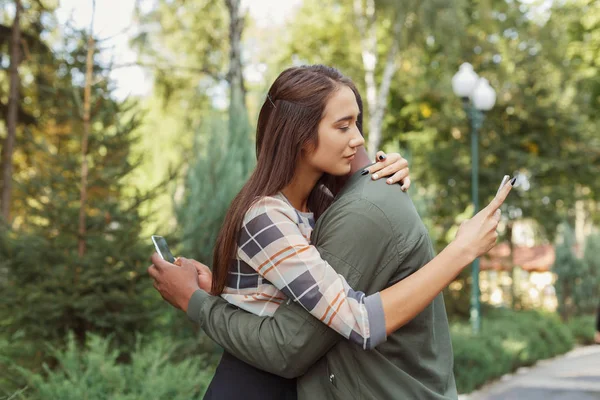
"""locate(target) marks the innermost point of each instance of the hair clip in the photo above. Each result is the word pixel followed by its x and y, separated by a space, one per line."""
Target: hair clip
pixel 271 100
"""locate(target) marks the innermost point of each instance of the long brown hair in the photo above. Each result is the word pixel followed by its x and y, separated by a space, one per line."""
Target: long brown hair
pixel 287 123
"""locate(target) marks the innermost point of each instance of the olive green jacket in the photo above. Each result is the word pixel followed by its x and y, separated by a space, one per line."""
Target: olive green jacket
pixel 373 236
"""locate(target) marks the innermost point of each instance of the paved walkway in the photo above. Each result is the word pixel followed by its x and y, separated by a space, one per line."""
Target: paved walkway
pixel 573 376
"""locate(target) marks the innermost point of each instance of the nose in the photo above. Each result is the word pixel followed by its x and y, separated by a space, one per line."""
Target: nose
pixel 357 139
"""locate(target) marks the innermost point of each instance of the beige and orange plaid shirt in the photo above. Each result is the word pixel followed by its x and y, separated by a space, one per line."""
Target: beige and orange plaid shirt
pixel 276 262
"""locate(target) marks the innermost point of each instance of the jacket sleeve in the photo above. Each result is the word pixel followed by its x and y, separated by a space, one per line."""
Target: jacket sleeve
pixel 286 344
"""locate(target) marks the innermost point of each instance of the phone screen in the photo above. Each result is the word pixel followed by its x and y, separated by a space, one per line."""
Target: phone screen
pixel 162 248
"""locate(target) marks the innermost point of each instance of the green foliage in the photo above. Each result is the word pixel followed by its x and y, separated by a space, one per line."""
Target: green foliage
pixel 583 328
pixel 576 279
pixel 185 45
pixel 543 126
pixel 508 340
pixel 48 289
pixel 213 181
pixel 95 373
pixel 591 258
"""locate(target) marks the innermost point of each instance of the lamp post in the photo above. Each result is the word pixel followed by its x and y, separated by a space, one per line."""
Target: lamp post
pixel 477 96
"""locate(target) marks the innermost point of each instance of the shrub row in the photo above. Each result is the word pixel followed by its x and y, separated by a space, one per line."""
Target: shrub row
pixel 96 374
pixel 508 340
pixel 583 328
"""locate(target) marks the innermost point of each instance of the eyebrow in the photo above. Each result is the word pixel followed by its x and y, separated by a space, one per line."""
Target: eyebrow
pixel 348 118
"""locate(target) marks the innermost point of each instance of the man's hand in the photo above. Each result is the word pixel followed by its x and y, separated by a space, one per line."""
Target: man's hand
pixel 204 273
pixel 176 284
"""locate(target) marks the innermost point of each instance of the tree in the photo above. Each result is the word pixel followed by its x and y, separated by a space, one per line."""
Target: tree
pixel 212 181
pixel 87 93
pixel 50 289
pixel 193 48
pixel 376 96
pixel 235 75
pixel 36 81
pixel 225 160
pixel 12 115
pixel 576 279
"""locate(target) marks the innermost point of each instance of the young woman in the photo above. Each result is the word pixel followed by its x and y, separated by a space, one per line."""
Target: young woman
pixel 308 134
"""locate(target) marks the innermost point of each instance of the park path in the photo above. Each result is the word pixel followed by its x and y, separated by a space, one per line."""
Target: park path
pixel 573 376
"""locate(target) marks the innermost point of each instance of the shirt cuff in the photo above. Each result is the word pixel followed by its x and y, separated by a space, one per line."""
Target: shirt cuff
pixel 377 332
pixel 195 305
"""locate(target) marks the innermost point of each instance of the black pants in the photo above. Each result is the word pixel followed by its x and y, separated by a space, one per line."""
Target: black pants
pixel 234 379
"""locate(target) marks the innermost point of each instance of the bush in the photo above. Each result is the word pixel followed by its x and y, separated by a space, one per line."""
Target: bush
pixel 508 340
pixel 583 328
pixel 94 373
pixel 14 350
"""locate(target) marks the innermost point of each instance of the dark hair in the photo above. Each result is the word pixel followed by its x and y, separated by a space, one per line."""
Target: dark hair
pixel 287 123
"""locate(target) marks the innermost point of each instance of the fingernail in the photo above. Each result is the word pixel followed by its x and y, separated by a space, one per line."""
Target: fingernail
pixel 375 176
pixel 364 172
pixel 512 181
pixel 382 157
pixel 390 181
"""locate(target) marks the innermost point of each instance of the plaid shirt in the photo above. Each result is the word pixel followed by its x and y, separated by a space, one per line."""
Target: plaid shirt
pixel 275 262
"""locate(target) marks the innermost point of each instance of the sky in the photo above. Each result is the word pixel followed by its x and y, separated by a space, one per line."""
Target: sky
pixel 113 19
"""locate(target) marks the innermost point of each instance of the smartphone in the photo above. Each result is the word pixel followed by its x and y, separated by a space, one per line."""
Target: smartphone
pixel 162 248
pixel 504 180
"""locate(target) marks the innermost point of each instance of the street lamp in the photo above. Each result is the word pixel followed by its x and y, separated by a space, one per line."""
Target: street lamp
pixel 477 96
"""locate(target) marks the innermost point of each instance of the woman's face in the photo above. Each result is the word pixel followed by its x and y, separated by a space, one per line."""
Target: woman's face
pixel 339 136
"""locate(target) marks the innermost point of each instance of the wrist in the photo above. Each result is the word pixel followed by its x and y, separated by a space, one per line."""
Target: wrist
pixel 461 252
pixel 185 298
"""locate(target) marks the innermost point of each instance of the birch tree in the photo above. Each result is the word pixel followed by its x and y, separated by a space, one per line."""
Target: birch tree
pixel 376 94
pixel 410 22
pixel 235 75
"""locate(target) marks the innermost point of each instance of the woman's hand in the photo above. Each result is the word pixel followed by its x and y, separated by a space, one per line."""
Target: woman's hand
pixel 204 273
pixel 392 166
pixel 476 236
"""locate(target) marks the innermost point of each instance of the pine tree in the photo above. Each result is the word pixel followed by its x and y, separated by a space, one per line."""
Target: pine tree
pixel 48 289
pixel 213 180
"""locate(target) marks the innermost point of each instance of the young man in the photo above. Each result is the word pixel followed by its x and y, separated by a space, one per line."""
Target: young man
pixel 373 236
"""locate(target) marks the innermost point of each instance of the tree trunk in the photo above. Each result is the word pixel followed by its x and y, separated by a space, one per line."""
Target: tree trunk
pixel 235 75
pixel 376 96
pixel 12 114
pixel 87 94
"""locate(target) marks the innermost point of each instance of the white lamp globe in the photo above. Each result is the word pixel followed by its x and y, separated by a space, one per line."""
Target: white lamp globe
pixel 464 81
pixel 484 96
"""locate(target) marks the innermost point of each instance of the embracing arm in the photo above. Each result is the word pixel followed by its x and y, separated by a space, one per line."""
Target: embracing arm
pixel 286 344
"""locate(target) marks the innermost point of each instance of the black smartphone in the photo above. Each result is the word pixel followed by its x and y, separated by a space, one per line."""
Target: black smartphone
pixel 162 248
